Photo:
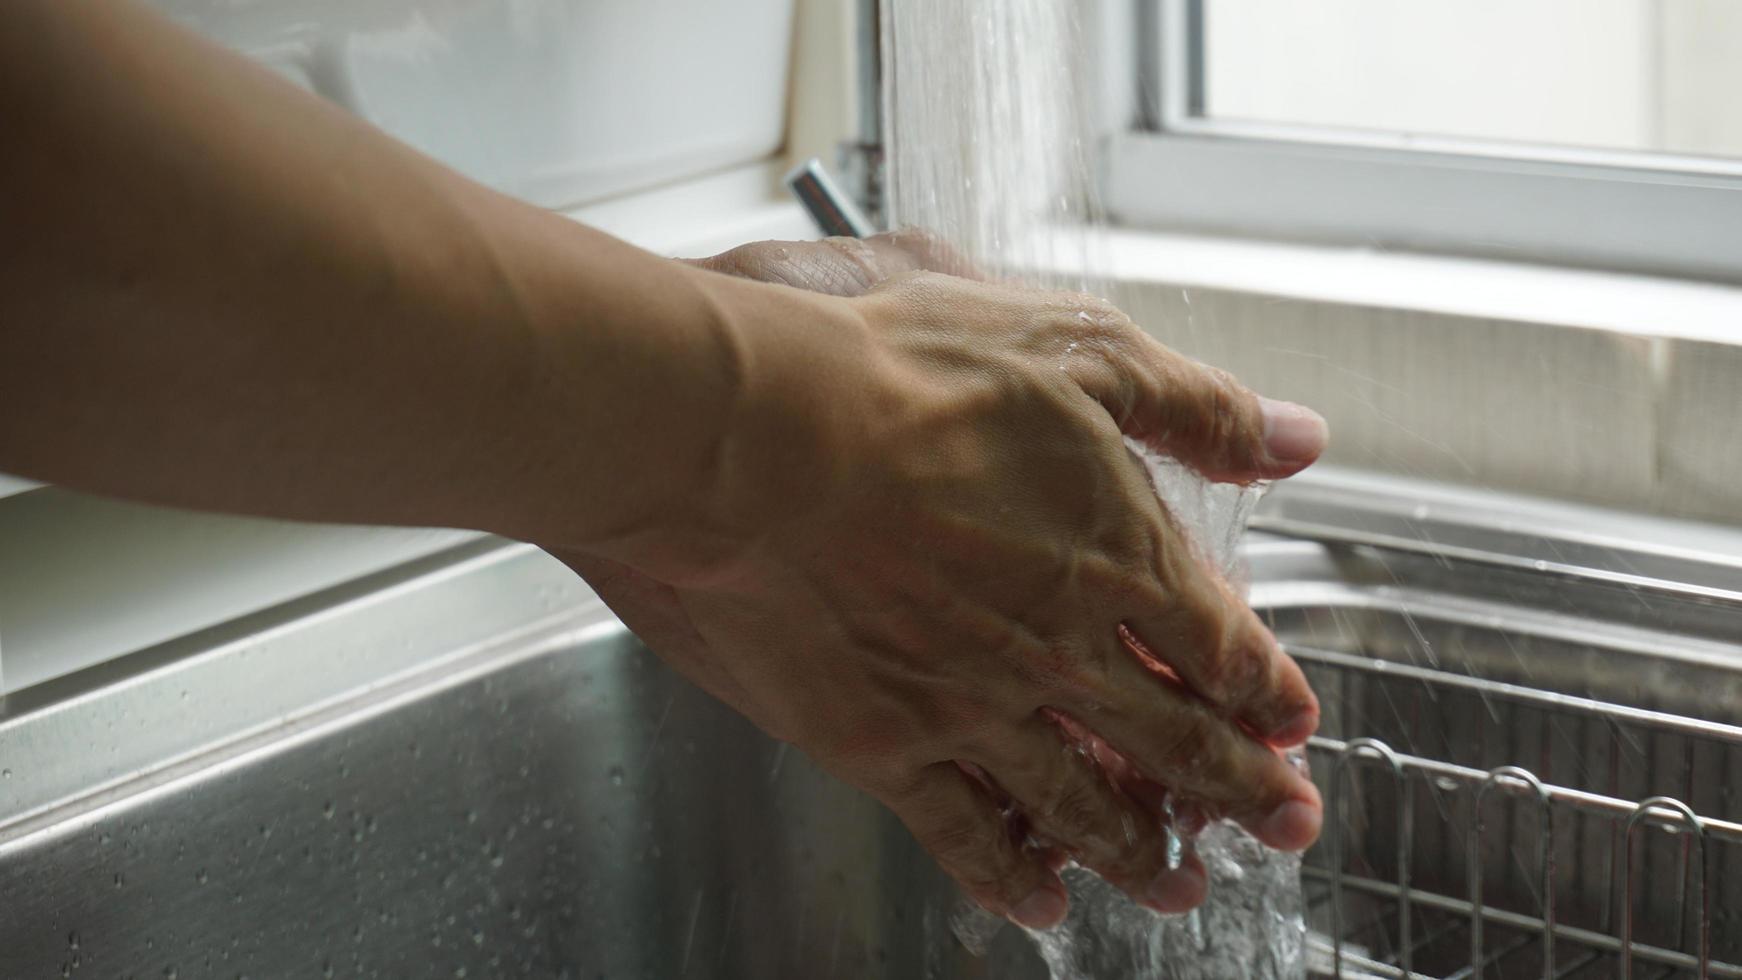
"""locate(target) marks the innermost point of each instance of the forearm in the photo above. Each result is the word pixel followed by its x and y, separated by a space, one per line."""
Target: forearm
pixel 218 291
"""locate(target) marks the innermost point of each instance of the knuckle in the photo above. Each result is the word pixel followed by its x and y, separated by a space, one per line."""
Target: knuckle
pixel 1234 662
pixel 752 261
pixel 1218 666
pixel 1086 317
pixel 970 849
pixel 1219 418
pixel 1057 670
pixel 1186 749
pixel 860 259
pixel 1224 417
pixel 1076 813
pixel 1202 631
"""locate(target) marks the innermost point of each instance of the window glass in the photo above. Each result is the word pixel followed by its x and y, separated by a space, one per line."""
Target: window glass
pixel 1639 75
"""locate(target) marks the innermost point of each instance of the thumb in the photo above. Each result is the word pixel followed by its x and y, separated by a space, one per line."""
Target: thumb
pixel 1195 413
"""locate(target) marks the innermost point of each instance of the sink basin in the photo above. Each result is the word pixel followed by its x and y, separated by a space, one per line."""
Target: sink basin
pixel 465 767
pixel 553 803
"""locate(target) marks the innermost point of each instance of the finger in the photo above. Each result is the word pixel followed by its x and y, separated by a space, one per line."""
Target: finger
pixel 959 824
pixel 1186 817
pixel 837 266
pixel 840 266
pixel 1187 626
pixel 1239 669
pixel 1176 739
pixel 921 249
pixel 1175 893
pixel 1201 633
pixel 1197 414
pixel 1067 796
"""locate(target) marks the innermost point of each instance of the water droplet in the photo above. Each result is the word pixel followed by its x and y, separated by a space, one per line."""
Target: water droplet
pixel 616 775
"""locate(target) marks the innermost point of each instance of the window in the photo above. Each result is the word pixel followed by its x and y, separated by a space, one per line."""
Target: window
pixel 1587 132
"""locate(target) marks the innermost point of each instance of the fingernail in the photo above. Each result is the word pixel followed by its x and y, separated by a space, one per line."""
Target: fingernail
pixel 1042 909
pixel 1293 826
pixel 1292 433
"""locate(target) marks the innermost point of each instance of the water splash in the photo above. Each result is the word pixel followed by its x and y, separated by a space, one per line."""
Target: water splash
pixel 988 144
pixel 1250 927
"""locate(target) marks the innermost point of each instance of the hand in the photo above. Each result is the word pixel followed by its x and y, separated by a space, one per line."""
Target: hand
pixel 842 266
pixel 948 571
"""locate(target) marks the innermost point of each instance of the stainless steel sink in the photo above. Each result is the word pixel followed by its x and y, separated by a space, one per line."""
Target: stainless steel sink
pixel 547 801
pixel 466 767
pixel 1576 676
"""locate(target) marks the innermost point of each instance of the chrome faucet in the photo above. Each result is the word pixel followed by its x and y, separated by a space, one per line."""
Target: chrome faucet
pixel 858 211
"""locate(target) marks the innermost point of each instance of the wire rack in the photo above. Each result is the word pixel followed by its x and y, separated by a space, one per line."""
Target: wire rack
pixel 1434 867
pixel 1531 748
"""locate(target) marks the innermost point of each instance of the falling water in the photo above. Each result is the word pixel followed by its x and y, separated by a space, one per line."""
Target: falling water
pixel 988 131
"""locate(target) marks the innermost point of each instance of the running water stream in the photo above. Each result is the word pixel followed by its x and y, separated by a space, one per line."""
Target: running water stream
pixel 988 130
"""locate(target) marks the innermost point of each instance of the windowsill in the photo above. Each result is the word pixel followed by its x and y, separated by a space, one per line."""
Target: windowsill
pixel 1612 389
pixel 1639 305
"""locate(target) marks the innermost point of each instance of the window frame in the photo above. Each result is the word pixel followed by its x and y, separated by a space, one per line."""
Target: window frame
pixel 1168 167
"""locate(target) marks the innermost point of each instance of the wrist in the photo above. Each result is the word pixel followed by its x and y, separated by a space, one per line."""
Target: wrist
pixel 761 436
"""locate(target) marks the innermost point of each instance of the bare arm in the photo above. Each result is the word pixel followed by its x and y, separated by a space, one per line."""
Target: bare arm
pixel 221 292
pixel 897 527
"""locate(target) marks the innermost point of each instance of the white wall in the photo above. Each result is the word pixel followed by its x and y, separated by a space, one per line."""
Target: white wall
pixel 557 101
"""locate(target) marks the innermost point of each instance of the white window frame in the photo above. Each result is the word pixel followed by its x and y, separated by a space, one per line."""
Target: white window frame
pixel 1169 168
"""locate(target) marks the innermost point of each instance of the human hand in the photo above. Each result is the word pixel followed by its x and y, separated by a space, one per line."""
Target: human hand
pixel 949 577
pixel 842 266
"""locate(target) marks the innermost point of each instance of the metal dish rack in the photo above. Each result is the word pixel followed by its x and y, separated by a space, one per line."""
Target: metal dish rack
pixel 1532 765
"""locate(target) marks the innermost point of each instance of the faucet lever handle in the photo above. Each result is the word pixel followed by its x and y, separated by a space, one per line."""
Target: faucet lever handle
pixel 834 212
